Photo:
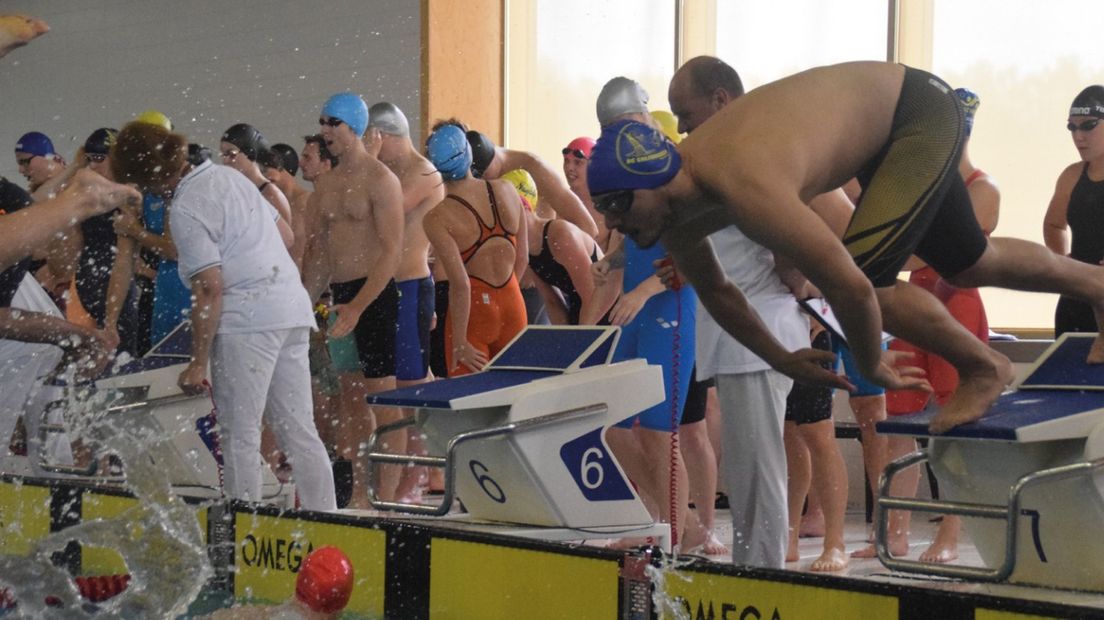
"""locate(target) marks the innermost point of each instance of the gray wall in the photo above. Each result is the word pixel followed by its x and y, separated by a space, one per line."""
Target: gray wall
pixel 204 63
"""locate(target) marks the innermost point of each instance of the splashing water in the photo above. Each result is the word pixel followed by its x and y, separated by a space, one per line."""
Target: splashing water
pixel 159 538
pixel 666 605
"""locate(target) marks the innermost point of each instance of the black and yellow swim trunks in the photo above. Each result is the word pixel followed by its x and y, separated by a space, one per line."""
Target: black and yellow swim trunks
pixel 914 200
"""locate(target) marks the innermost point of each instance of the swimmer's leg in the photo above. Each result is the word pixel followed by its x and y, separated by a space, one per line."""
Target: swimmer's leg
pixel 1026 266
pixel 915 315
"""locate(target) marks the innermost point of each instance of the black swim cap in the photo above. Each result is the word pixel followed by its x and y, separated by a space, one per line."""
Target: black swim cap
pixel 248 140
pixel 281 156
pixel 1090 102
pixel 483 150
pixel 197 154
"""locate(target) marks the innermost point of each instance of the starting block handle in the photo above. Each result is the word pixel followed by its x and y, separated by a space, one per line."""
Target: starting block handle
pixel 1009 513
pixel 446 462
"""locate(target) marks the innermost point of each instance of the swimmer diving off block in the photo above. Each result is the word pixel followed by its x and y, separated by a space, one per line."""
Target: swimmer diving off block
pixel 757 162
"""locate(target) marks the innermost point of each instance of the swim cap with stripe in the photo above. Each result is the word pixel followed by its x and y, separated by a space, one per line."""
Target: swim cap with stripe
pixel 1089 102
pixel 449 152
pixel 389 119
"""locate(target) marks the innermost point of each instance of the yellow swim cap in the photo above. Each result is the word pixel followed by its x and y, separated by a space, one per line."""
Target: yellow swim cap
pixel 668 124
pixel 153 117
pixel 525 185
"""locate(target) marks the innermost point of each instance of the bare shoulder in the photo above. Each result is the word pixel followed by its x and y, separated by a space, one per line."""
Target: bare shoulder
pixel 1070 175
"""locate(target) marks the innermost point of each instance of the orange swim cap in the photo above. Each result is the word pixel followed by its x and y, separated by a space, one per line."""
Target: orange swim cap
pixel 325 580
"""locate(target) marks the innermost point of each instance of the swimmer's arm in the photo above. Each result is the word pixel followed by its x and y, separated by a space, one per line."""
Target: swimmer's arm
pixel 27 229
pixel 316 266
pixel 554 303
pixel 28 326
pixel 436 227
pixel 122 273
pixel 299 230
pixel 287 236
pixel 521 246
pixel 607 291
pixel 556 192
pixel 778 220
pixel 279 201
pixel 129 224
pixel 730 308
pixel 835 208
pixel 1055 222
pixel 570 251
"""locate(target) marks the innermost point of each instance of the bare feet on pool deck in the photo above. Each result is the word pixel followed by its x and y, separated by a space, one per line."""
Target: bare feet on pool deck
pixel 976 392
pixel 831 560
pixel 1096 353
pixel 710 546
pixel 898 547
pixel 940 552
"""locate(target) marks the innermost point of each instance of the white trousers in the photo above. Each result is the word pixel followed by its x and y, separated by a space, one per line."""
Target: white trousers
pixel 23 366
pixel 266 374
pixel 753 463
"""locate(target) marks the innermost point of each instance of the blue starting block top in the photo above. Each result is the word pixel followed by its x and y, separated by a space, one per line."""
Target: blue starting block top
pixel 538 352
pixel 440 394
pixel 1061 398
pixel 1063 367
pixel 1012 415
pixel 176 348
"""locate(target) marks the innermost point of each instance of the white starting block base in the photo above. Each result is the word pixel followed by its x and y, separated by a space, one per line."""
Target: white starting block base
pixel 1034 461
pixel 523 441
pixel 146 404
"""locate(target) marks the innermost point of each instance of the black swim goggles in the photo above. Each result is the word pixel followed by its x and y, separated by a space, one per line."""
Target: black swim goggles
pixel 1088 125
pixel 614 203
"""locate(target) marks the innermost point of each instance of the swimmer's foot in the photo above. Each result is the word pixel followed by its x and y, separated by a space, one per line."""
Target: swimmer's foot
pixel 1096 352
pixel 940 552
pixel 833 559
pixel 898 547
pixel 976 392
pixel 945 546
pixel 812 525
pixel 711 546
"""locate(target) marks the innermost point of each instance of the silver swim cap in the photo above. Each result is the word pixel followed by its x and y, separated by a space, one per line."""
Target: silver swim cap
pixel 389 119
pixel 621 96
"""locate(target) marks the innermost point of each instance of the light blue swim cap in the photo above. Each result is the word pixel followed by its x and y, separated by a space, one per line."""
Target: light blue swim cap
pixel 350 108
pixel 449 152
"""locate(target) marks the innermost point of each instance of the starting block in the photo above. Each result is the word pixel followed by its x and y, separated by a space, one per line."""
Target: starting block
pixel 523 441
pixel 1034 461
pixel 144 402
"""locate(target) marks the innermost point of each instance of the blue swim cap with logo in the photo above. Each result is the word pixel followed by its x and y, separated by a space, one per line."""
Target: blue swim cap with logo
pixel 631 155
pixel 449 152
pixel 350 108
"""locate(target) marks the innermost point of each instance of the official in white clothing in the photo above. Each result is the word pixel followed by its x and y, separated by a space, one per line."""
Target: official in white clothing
pixel 251 317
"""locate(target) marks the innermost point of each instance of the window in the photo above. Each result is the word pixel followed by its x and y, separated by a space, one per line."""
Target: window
pixel 561 52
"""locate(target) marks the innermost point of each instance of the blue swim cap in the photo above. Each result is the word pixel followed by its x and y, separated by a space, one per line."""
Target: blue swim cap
pixel 350 108
pixel 970 103
pixel 449 152
pixel 631 155
pixel 35 143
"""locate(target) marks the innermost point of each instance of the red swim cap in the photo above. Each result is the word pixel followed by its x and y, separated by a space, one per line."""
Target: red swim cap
pixel 581 145
pixel 325 580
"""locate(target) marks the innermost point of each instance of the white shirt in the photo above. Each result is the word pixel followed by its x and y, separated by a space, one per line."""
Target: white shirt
pixel 219 219
pixel 751 267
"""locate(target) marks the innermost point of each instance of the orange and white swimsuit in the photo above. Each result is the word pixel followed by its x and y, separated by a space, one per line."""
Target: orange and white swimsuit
pixel 497 311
